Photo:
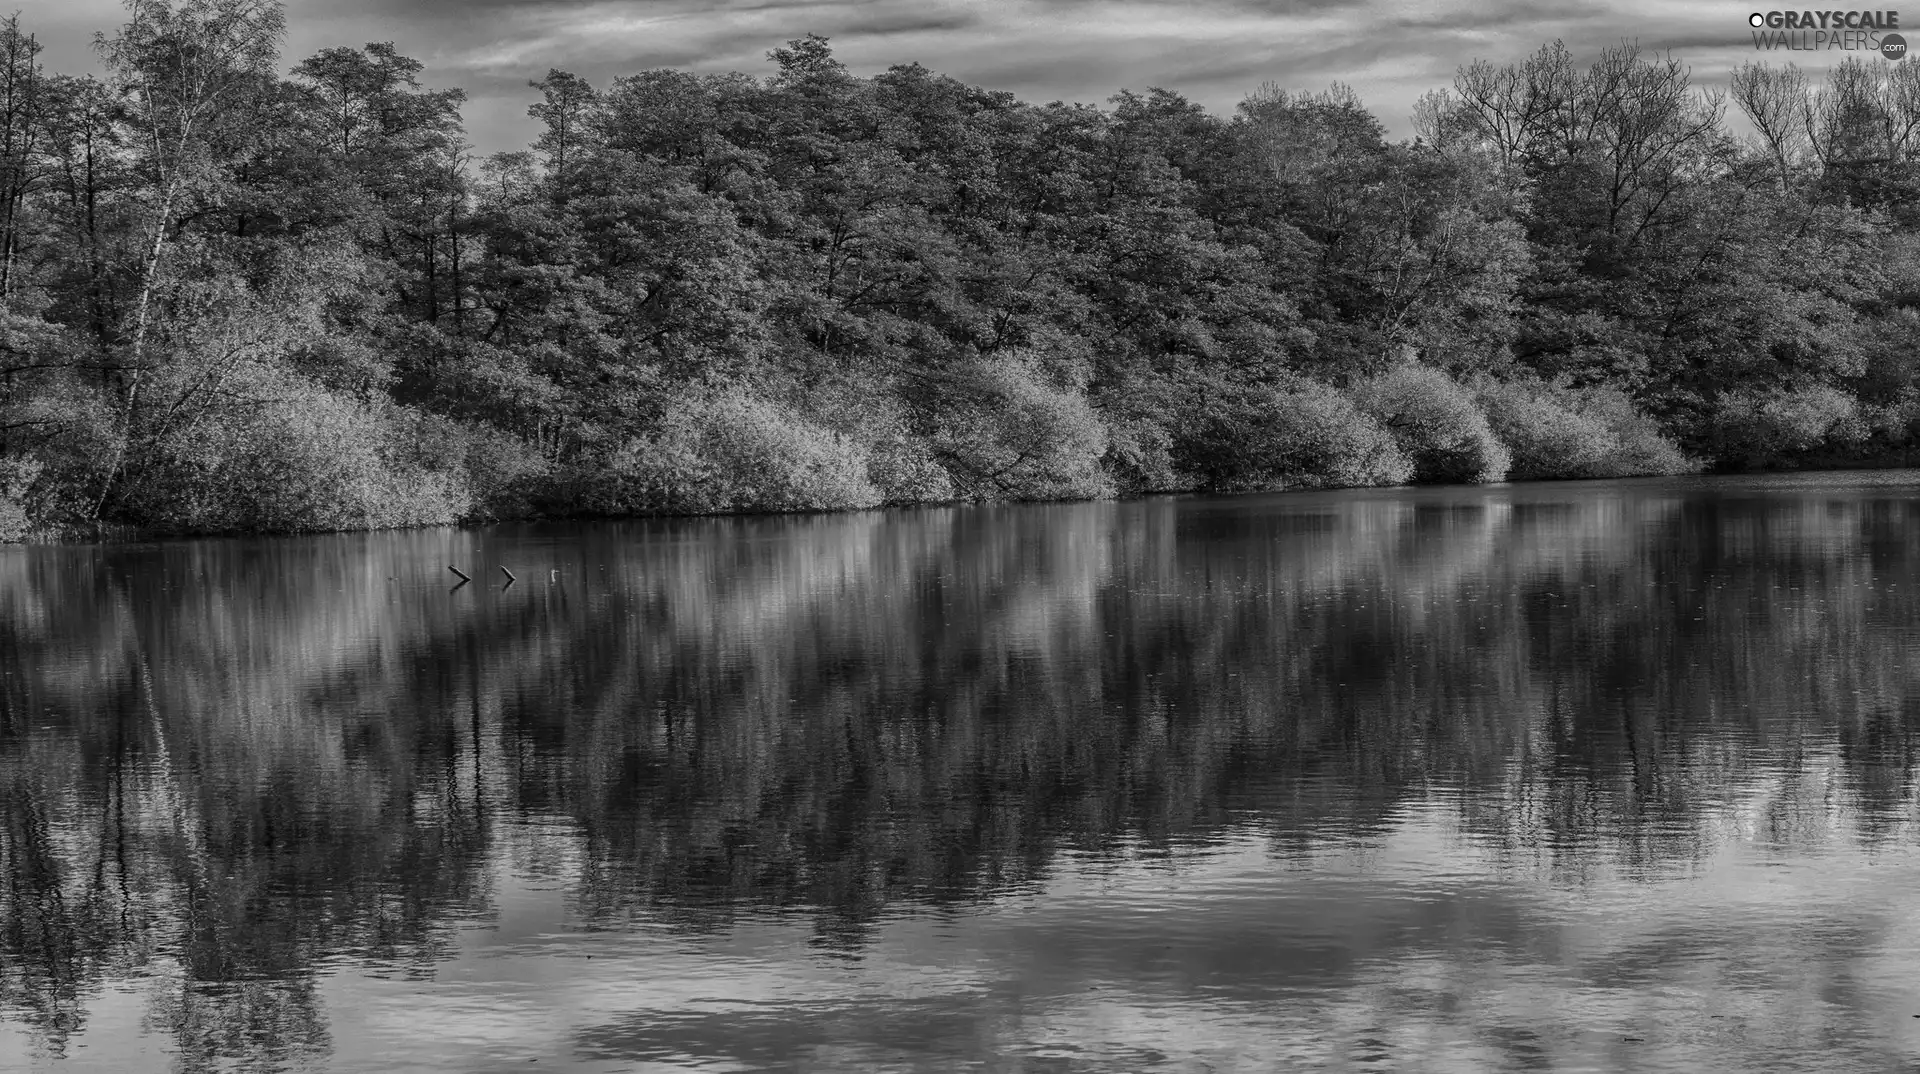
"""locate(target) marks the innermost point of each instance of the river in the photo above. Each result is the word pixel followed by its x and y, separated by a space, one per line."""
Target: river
pixel 1593 776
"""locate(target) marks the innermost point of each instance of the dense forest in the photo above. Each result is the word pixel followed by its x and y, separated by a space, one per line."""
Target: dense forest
pixel 247 294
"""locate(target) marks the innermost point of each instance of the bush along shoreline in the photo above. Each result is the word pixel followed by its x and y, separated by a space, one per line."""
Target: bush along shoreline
pixel 248 293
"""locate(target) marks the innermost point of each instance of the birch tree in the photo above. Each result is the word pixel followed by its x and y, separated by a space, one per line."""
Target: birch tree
pixel 179 66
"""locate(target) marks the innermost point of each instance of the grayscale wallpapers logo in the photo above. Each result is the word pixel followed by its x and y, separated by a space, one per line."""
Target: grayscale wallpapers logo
pixel 1807 31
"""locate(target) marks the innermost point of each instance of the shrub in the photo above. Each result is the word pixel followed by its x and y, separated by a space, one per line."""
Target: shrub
pixel 1300 435
pixel 309 460
pixel 1755 427
pixel 1141 455
pixel 725 450
pixel 1003 430
pixel 1555 432
pixel 16 476
pixel 904 470
pixel 1642 449
pixel 900 465
pixel 1545 436
pixel 502 472
pixel 1145 412
pixel 1436 422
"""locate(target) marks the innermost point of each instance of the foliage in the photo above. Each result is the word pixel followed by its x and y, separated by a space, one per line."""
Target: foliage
pixel 1003 431
pixel 1300 435
pixel 1553 431
pixel 1758 427
pixel 1641 450
pixel 1437 424
pixel 729 451
pixel 304 461
pixel 16 477
pixel 819 288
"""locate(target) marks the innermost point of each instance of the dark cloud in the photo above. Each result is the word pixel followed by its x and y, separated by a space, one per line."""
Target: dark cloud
pixel 909 23
pixel 1476 19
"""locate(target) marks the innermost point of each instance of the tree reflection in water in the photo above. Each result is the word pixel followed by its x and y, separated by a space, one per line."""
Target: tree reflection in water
pixel 229 767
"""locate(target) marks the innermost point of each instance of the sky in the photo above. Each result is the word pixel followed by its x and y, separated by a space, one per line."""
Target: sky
pixel 1212 51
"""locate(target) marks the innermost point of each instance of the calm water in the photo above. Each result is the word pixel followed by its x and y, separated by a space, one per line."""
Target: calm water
pixel 1599 776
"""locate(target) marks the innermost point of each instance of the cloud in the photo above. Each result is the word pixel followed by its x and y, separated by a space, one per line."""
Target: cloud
pixel 1472 22
pixel 1213 51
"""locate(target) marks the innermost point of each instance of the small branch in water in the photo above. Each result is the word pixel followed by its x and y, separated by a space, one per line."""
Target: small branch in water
pixel 461 573
pixel 510 578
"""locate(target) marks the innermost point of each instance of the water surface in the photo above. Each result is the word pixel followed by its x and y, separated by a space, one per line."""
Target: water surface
pixel 1607 776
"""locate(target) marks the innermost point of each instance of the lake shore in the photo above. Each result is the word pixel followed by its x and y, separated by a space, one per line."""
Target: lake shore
pixel 105 534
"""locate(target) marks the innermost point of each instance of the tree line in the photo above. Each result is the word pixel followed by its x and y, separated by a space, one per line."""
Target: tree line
pixel 241 296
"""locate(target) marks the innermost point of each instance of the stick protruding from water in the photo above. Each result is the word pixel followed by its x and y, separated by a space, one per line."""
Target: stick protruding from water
pixel 458 571
pixel 510 578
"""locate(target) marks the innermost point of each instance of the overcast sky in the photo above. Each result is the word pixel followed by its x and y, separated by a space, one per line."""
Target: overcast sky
pixel 1214 51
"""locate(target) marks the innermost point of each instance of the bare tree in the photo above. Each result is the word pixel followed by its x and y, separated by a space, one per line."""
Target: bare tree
pixel 1629 131
pixel 22 129
pixel 1866 117
pixel 1519 108
pixel 1443 122
pixel 1778 104
pixel 1652 131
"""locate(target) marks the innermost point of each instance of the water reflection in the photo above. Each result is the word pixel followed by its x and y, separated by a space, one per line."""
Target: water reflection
pixel 1481 779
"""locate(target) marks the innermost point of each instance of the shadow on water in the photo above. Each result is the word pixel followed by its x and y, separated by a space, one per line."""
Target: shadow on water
pixel 229 767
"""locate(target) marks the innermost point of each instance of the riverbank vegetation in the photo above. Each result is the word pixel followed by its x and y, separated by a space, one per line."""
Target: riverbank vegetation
pixel 245 292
